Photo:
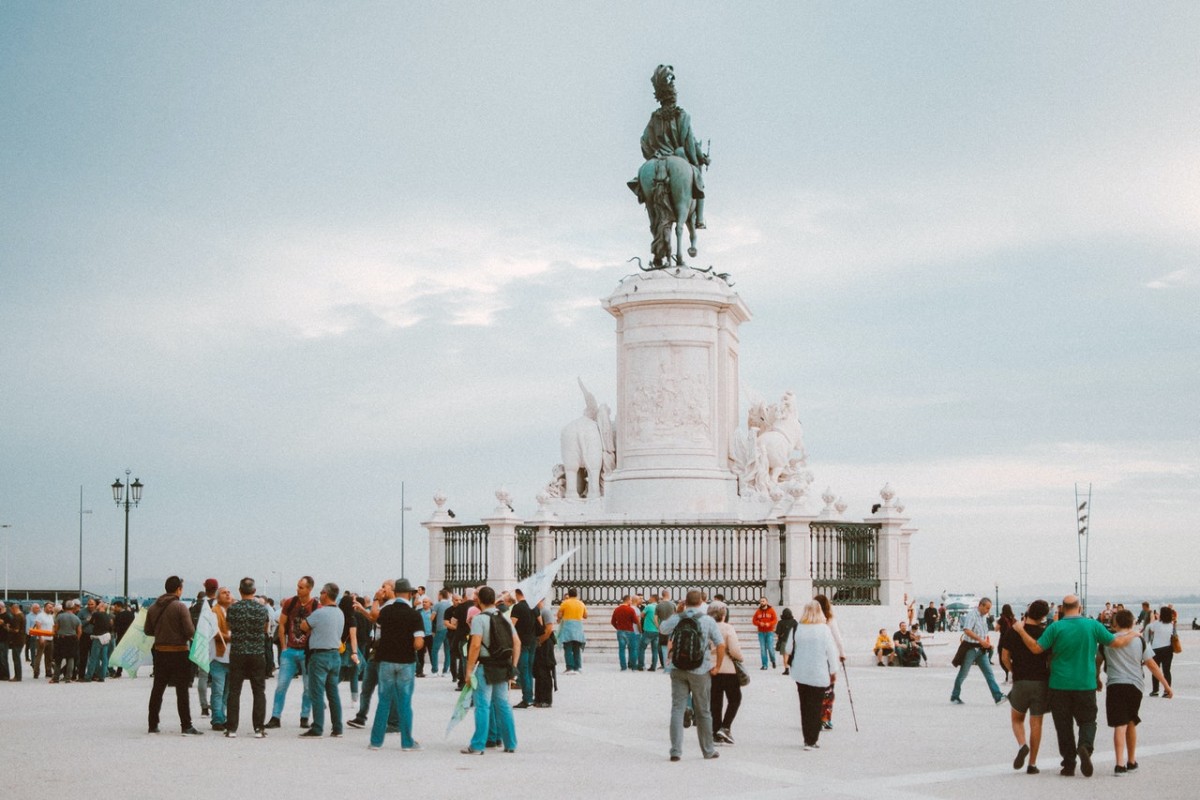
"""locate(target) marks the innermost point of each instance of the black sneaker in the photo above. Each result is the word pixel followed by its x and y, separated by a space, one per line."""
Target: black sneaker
pixel 311 733
pixel 273 722
pixel 1119 770
pixel 521 704
pixel 304 722
pixel 1131 766
pixel 1067 772
pixel 687 718
pixel 218 726
pixel 1085 760
pixel 1032 770
pixel 152 729
pixel 357 723
pixel 1019 761
pixel 191 731
pixel 204 712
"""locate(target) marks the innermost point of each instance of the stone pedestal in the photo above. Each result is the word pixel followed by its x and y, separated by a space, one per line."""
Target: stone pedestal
pixel 677 396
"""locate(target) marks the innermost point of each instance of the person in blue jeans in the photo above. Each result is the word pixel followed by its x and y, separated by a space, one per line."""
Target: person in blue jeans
pixel 324 629
pixel 292 641
pixel 975 633
pixel 402 635
pixel 489 696
pixel 625 621
pixel 522 617
pixel 439 632
pixel 649 634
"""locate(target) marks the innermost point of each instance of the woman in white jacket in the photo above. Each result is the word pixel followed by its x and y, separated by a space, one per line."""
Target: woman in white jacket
pixel 813 659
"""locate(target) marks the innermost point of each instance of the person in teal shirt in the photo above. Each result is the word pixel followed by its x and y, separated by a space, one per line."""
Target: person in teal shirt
pixel 649 633
pixel 1072 642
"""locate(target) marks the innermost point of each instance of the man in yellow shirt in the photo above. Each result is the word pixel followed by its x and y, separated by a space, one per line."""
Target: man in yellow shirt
pixel 571 614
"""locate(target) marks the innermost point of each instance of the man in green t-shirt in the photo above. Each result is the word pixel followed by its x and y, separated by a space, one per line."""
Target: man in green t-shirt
pixel 1072 641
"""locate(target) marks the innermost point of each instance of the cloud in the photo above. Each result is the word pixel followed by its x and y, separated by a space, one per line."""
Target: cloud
pixel 1172 280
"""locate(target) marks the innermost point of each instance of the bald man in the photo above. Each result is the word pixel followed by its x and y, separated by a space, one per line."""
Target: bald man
pixel 1073 641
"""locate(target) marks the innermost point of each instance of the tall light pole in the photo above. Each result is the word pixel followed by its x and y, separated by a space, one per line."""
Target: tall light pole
pixel 131 497
pixel 6 538
pixel 403 510
pixel 81 513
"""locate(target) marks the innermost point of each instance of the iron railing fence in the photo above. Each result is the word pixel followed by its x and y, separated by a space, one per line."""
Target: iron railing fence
pixel 845 562
pixel 615 560
pixel 466 556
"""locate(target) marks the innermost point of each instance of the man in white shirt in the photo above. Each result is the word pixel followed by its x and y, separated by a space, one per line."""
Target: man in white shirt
pixel 44 654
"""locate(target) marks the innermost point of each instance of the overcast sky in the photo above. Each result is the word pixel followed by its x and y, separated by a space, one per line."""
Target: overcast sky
pixel 277 259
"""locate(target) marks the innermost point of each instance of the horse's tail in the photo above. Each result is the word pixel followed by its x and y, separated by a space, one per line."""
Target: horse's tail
pixel 662 212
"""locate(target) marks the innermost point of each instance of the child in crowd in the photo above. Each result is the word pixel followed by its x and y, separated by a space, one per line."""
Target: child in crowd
pixel 1123 699
pixel 883 648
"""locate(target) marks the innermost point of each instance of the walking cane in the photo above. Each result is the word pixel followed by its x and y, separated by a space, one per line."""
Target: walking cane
pixel 850 695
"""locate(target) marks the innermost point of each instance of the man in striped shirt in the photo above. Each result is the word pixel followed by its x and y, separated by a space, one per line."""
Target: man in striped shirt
pixel 975 635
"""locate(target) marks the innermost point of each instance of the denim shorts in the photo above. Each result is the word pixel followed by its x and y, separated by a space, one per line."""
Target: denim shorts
pixel 1030 696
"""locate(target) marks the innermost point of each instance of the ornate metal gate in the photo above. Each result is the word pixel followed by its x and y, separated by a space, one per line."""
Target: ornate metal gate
pixel 844 565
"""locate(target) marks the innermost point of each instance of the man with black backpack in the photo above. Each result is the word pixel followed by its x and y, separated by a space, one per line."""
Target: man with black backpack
pixel 492 661
pixel 696 652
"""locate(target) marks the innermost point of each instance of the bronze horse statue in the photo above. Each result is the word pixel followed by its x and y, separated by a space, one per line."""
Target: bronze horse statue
pixel 668 185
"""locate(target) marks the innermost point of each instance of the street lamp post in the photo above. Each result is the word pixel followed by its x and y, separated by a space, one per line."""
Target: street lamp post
pixel 81 513
pixel 997 597
pixel 7 536
pixel 403 510
pixel 127 498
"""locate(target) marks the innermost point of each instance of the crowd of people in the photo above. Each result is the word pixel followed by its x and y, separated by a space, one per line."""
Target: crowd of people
pixel 1053 655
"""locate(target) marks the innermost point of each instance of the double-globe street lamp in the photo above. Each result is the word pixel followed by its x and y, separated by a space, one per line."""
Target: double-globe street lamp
pixel 128 498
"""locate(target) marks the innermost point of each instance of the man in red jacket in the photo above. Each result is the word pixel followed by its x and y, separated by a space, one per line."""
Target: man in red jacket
pixel 764 620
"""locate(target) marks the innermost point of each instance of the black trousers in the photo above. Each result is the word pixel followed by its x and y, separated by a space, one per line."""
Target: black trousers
pixel 1068 708
pixel 810 710
pixel 1164 656
pixel 171 669
pixel 253 668
pixel 726 687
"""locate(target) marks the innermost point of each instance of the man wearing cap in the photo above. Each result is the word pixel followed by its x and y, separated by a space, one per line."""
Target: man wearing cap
pixel 401 635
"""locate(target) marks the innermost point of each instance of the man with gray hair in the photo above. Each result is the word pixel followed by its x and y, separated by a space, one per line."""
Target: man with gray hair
pixel 324 629
pixel 975 636
pixel 697 649
pixel 247 621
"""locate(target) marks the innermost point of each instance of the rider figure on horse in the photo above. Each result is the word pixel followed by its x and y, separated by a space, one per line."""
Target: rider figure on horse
pixel 669 133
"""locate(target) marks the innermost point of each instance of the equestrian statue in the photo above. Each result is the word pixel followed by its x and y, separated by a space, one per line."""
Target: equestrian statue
pixel 670 183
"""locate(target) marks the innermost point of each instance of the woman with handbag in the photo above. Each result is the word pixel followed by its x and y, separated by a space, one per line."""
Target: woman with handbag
pixel 726 683
pixel 813 658
pixel 1158 636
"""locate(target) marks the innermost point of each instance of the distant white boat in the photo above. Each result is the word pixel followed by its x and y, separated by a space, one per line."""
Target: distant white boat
pixel 959 602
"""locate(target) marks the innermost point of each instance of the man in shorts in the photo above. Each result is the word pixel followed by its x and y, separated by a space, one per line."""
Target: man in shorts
pixel 1124 697
pixel 1031 684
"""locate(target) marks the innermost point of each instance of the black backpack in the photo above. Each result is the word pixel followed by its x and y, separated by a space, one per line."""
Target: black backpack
pixel 497 665
pixel 687 644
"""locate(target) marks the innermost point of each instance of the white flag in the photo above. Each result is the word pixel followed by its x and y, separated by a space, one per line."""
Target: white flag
pixel 206 629
pixel 537 586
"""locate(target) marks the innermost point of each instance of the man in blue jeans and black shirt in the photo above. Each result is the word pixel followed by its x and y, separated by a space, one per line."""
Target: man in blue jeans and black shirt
pixel 401 635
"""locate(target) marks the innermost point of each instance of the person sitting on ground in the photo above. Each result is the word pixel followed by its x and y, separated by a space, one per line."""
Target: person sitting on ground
pixel 884 649
pixel 909 650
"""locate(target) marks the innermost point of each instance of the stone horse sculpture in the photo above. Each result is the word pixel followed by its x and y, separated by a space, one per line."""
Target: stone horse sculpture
pixel 670 183
pixel 762 456
pixel 588 449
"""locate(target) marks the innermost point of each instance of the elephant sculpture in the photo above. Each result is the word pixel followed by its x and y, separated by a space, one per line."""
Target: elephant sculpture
pixel 588 449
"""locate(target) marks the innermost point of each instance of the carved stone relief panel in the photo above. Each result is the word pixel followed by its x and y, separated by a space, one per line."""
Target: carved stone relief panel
pixel 668 396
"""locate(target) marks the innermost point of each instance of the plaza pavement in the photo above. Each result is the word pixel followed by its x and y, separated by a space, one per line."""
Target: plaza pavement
pixel 606 736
